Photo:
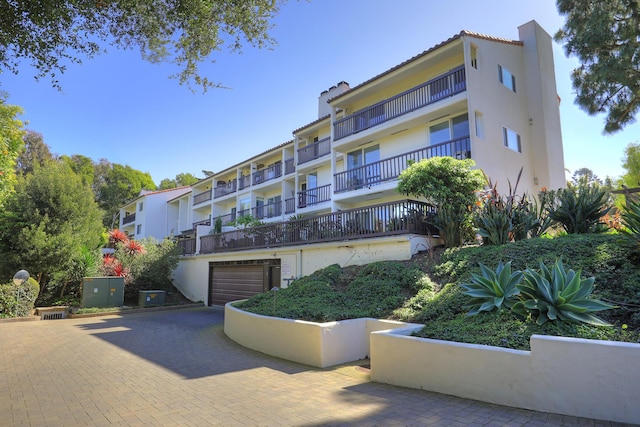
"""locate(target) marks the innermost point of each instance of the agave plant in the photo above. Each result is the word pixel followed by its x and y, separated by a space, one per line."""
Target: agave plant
pixel 492 290
pixel 557 294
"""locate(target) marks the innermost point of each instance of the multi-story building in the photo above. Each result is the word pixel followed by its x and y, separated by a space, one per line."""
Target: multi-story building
pixel 329 195
pixel 148 215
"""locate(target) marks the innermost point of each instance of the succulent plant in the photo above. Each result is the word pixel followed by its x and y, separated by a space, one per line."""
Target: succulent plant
pixel 492 290
pixel 557 294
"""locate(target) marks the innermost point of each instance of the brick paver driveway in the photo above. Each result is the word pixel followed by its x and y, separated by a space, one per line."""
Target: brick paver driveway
pixel 177 368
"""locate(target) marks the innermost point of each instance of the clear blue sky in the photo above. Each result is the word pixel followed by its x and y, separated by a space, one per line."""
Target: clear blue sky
pixel 123 109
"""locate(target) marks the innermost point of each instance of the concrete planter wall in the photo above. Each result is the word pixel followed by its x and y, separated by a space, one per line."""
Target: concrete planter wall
pixel 315 344
pixel 583 378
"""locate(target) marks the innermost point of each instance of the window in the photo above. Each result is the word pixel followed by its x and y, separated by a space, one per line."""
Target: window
pixel 506 78
pixel 245 207
pixel 474 57
pixel 140 206
pixel 139 229
pixel 511 139
pixel 365 166
pixel 442 136
pixel 479 125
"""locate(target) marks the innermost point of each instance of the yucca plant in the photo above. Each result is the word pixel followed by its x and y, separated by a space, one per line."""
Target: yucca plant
pixel 557 294
pixel 580 208
pixel 492 290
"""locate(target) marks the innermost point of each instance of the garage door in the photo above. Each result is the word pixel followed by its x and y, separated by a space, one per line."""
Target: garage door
pixel 234 282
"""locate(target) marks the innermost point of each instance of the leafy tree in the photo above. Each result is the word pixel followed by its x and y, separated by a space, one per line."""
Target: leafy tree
pixel 449 184
pixel 47 221
pixel 443 181
pixel 185 33
pixel 121 184
pixel 82 166
pixel 631 164
pixel 207 173
pixel 586 175
pixel 182 179
pixel 35 153
pixel 11 143
pixel 605 36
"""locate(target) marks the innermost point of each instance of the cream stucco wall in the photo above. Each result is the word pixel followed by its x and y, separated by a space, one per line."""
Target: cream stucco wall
pixel 583 378
pixel 192 275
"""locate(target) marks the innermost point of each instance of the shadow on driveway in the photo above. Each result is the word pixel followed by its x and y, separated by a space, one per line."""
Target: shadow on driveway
pixel 189 342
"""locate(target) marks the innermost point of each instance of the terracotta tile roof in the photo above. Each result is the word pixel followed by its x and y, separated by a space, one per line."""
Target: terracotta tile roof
pixel 248 160
pixel 312 123
pixel 427 52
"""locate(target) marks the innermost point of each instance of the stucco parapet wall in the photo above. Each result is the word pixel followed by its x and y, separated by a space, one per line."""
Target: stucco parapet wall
pixel 576 377
pixel 314 344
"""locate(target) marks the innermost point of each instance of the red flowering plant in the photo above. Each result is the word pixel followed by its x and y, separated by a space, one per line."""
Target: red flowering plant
pixel 117 236
pixel 119 263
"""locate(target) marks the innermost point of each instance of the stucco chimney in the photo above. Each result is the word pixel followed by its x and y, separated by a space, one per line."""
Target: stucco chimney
pixel 324 108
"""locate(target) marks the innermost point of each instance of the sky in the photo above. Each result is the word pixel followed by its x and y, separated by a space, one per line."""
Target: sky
pixel 119 107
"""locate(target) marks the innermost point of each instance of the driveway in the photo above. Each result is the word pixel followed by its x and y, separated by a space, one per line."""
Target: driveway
pixel 177 368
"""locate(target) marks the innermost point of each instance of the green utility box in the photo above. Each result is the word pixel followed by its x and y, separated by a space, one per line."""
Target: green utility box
pixel 102 291
pixel 151 298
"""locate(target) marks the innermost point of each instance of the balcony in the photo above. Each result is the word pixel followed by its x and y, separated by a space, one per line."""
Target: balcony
pixel 187 246
pixel 129 219
pixel 244 182
pixel 201 197
pixel 206 222
pixel 289 166
pixel 290 205
pixel 270 210
pixel 314 151
pixel 434 90
pixel 313 196
pixel 271 172
pixel 390 169
pixel 388 219
pixel 223 189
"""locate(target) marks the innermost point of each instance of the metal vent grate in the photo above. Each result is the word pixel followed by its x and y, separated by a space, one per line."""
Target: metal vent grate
pixel 53 315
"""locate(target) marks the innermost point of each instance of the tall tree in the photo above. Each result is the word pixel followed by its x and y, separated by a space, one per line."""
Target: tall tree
pixel 631 164
pixel 121 184
pixel 82 166
pixel 11 143
pixel 605 36
pixel 182 179
pixel 585 175
pixel 185 33
pixel 35 153
pixel 47 221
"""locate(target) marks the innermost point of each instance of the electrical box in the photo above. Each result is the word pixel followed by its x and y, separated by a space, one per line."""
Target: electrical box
pixel 102 291
pixel 151 298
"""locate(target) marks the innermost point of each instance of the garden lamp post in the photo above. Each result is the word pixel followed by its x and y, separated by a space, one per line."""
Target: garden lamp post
pixel 20 277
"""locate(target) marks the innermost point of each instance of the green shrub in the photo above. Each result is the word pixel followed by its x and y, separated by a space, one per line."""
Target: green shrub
pixel 580 208
pixel 18 300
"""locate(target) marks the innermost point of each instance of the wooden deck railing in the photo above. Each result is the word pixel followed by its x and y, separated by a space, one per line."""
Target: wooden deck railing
pixel 427 93
pixel 313 196
pixel 271 172
pixel 224 189
pixel 201 197
pixel 314 151
pixel 129 219
pixel 389 169
pixel 403 217
pixel 289 166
